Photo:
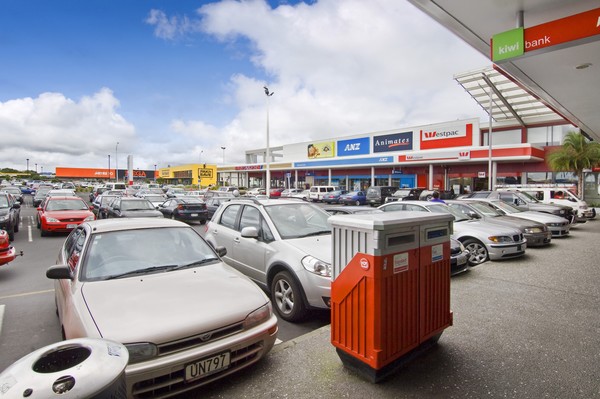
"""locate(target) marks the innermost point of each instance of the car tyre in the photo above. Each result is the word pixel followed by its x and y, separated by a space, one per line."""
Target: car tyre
pixel 357 203
pixel 11 234
pixel 478 252
pixel 44 233
pixel 286 295
pixel 16 228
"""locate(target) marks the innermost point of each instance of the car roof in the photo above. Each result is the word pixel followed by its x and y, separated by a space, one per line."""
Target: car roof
pixel 109 225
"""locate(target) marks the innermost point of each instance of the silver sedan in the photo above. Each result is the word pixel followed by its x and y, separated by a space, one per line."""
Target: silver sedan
pixel 158 288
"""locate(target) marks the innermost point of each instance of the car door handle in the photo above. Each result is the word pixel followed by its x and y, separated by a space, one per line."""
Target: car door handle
pixel 236 240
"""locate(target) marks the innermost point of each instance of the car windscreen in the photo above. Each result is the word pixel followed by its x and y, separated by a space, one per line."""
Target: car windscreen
pixel 136 205
pixel 136 252
pixel 66 205
pixel 298 220
pixel 3 202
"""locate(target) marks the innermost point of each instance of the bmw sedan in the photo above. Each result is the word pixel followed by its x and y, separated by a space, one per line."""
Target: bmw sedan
pixel 483 240
pixel 186 318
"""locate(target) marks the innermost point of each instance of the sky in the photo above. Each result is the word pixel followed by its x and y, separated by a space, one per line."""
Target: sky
pixel 174 81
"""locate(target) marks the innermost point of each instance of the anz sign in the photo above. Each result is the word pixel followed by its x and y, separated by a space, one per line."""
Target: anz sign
pixel 358 146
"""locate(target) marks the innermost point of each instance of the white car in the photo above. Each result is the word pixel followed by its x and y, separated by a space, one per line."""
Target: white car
pixel 483 240
pixel 284 245
pixel 155 286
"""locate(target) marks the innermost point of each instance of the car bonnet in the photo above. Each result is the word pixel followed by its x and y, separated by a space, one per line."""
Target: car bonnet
pixel 166 306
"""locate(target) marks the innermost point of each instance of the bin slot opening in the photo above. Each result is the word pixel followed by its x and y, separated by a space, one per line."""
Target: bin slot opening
pixel 400 240
pixel 432 234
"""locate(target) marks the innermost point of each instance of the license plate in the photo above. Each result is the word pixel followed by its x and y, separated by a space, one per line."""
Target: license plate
pixel 207 366
pixel 71 226
pixel 518 247
pixel 194 215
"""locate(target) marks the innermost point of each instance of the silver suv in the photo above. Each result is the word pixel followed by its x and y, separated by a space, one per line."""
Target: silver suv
pixel 284 245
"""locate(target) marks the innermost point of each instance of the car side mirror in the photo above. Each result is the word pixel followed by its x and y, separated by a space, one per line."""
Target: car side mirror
pixel 249 232
pixel 59 272
pixel 16 205
pixel 221 251
pixel 473 215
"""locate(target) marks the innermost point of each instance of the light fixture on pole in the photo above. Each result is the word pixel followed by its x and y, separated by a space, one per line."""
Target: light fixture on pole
pixel 108 177
pixel 117 162
pixel 223 148
pixel 268 155
pixel 36 168
pixel 27 164
pixel 154 172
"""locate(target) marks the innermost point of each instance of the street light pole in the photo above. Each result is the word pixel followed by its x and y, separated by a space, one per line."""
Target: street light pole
pixel 108 167
pixel 223 148
pixel 155 172
pixel 268 155
pixel 27 165
pixel 117 162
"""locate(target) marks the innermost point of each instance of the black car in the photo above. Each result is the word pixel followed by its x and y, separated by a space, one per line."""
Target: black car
pixel 213 203
pixel 10 214
pixel 40 195
pixel 101 204
pixel 185 209
pixel 376 195
pixel 132 207
pixel 15 191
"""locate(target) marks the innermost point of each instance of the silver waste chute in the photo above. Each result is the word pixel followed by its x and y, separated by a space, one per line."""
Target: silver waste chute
pixel 77 368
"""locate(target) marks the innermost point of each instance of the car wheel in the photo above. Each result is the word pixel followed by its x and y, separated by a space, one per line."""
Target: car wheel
pixel 11 234
pixel 16 228
pixel 357 203
pixel 478 253
pixel 287 297
pixel 173 216
pixel 44 233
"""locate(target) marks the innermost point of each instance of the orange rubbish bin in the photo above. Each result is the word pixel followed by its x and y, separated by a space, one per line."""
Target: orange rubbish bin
pixel 390 291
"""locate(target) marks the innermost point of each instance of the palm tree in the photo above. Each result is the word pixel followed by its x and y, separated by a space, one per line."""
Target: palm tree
pixel 576 154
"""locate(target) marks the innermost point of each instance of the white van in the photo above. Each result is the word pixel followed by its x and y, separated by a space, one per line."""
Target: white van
pixel 316 193
pixel 116 186
pixel 560 195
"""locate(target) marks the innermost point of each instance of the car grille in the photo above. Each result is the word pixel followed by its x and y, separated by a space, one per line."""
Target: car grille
pixel 197 340
pixel 76 220
pixel 518 238
pixel 174 383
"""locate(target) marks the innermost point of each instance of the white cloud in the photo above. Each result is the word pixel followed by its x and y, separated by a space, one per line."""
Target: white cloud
pixel 340 67
pixel 54 130
pixel 337 67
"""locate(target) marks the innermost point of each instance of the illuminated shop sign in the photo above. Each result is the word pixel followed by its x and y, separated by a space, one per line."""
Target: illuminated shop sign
pixel 393 142
pixel 358 146
pixel 205 173
pixel 452 135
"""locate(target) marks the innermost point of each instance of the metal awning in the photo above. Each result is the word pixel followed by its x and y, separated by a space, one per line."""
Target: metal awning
pixel 511 104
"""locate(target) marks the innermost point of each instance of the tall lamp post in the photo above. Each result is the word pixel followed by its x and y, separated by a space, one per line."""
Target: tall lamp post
pixel 268 155
pixel 117 162
pixel 155 172
pixel 108 167
pixel 27 165
pixel 223 148
pixel 36 168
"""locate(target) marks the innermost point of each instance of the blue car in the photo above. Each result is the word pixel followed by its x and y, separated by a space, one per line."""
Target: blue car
pixel 27 190
pixel 353 198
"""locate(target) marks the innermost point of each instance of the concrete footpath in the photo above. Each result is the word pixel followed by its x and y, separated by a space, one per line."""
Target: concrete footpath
pixel 524 328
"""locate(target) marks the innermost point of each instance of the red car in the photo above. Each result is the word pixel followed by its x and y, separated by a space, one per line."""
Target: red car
pixel 7 253
pixel 275 192
pixel 63 214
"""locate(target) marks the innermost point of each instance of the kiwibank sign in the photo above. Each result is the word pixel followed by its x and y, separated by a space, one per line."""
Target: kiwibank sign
pixel 508 44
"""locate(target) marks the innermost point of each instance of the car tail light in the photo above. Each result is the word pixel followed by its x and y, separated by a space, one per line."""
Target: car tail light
pixel 180 207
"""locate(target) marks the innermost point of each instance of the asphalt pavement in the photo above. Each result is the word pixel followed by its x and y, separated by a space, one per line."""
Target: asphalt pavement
pixel 523 328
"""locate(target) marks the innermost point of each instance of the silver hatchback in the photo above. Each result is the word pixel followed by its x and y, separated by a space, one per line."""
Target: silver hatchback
pixel 284 245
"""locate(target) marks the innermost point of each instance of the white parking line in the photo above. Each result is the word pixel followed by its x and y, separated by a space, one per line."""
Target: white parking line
pixel 1 317
pixel 29 235
pixel 278 341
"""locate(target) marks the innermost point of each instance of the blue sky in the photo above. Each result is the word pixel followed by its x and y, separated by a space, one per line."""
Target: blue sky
pixel 174 81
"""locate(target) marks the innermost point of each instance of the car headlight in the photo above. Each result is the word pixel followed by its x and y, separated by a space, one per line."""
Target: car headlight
pixel 316 266
pixel 561 212
pixel 52 220
pixel 87 219
pixel 500 239
pixel 259 316
pixel 141 351
pixel 3 218
pixel 533 230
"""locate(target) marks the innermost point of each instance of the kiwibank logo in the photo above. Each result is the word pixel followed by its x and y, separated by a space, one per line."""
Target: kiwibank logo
pixel 508 44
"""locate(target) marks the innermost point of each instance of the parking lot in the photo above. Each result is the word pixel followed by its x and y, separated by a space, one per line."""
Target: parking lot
pixel 523 328
pixel 527 327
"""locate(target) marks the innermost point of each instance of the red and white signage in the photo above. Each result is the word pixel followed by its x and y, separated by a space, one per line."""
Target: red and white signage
pixel 459 135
